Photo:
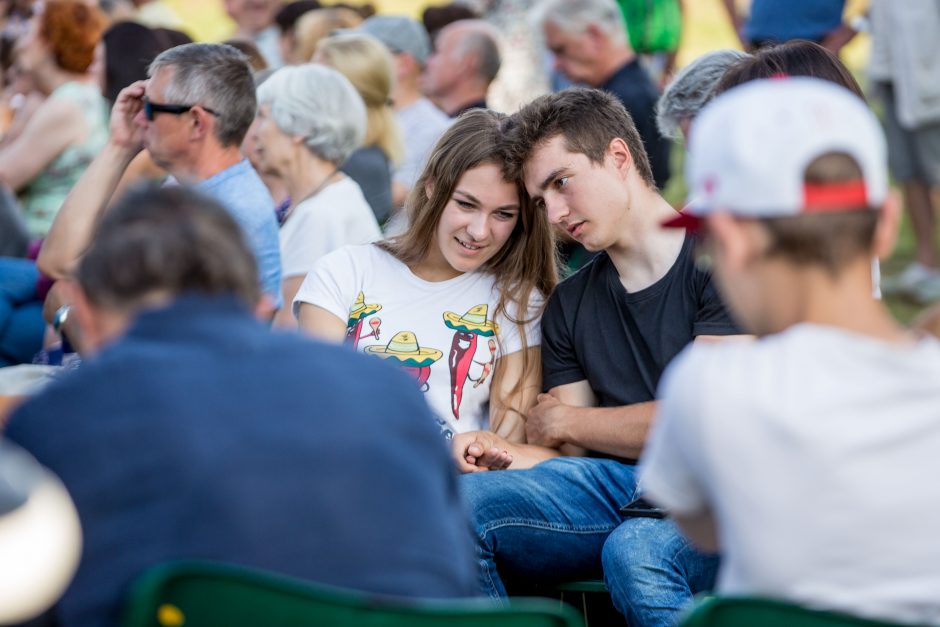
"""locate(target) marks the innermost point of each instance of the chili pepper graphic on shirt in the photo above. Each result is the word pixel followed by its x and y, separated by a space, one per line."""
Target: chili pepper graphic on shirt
pixel 468 328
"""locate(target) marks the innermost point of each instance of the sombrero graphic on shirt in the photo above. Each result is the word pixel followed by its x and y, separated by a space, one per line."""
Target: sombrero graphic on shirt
pixel 474 321
pixel 360 309
pixel 404 349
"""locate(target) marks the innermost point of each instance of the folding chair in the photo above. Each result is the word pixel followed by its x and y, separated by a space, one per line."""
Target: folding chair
pixel 202 594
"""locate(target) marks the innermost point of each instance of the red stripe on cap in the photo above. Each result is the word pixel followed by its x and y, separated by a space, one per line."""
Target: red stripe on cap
pixel 834 196
pixel 684 221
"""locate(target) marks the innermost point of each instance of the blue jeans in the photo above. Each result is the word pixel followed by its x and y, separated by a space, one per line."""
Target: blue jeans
pixel 21 322
pixel 560 521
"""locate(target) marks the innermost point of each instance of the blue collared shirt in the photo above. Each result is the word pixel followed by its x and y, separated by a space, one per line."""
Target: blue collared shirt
pixel 239 189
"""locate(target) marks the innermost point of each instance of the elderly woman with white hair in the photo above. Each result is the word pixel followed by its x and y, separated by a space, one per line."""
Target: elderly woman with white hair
pixel 690 90
pixel 310 119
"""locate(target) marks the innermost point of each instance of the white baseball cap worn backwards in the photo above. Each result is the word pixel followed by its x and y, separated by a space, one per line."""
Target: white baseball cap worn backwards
pixel 750 147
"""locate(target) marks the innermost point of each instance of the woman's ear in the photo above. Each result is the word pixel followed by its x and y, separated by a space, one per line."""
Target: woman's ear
pixel 429 188
pixel 889 221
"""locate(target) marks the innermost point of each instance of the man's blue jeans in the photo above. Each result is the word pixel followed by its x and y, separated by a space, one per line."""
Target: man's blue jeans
pixel 560 521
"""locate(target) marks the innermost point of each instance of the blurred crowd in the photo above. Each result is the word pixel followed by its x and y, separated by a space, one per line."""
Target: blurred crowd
pixel 321 298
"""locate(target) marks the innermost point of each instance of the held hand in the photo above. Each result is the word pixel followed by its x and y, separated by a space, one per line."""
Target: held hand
pixel 543 425
pixel 479 451
pixel 125 132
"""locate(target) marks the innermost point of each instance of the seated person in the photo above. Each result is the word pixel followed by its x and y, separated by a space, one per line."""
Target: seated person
pixel 70 127
pixel 607 333
pixel 368 66
pixel 191 117
pixel 310 119
pixel 456 299
pixel 194 431
pixel 421 123
pixel 802 456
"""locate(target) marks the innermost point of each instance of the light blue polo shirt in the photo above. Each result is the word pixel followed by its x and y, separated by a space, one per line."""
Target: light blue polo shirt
pixel 240 190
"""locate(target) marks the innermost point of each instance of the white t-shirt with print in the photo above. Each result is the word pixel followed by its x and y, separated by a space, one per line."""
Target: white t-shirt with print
pixel 442 333
pixel 817 451
pixel 336 216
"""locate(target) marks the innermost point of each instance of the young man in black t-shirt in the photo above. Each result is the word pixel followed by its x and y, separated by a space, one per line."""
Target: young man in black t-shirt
pixel 608 333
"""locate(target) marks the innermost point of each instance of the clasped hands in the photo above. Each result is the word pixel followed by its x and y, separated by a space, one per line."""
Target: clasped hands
pixel 480 451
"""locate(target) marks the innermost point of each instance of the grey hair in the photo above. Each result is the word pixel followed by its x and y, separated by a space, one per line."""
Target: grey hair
pixel 692 89
pixel 320 105
pixel 482 40
pixel 216 77
pixel 574 16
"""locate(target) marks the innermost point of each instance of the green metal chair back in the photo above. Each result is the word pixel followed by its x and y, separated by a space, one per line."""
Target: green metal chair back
pixel 201 594
pixel 756 612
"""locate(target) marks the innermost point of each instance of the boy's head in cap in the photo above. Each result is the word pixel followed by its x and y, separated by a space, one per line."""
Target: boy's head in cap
pixel 788 177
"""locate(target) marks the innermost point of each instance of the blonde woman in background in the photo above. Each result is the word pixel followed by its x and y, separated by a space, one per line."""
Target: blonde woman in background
pixel 318 24
pixel 367 64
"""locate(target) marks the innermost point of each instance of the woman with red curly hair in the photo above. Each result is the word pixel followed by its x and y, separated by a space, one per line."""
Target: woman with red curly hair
pixel 71 126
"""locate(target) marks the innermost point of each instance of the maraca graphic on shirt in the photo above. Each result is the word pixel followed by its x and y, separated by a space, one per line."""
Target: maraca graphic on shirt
pixel 357 313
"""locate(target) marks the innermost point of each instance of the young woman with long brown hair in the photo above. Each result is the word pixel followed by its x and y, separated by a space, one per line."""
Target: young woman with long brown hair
pixel 456 299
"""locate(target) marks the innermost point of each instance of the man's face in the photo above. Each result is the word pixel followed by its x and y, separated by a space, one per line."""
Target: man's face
pixel 445 65
pixel 252 16
pixel 166 137
pixel 586 200
pixel 575 54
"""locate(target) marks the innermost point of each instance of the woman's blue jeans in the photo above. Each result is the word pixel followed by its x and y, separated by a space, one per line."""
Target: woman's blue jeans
pixel 21 322
pixel 560 521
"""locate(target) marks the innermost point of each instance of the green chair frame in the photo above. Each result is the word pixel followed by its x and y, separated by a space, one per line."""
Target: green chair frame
pixel 204 594
pixel 592 597
pixel 758 612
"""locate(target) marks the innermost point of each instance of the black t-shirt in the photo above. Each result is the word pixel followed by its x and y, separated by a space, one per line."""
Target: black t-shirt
pixel 619 341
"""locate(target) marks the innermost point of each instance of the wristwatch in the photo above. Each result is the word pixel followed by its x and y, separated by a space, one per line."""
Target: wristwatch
pixel 60 317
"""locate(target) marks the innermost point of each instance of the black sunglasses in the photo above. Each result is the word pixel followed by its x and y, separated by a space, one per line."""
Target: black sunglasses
pixel 153 108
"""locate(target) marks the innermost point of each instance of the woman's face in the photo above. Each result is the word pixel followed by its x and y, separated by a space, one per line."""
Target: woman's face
pixel 31 50
pixel 478 219
pixel 270 148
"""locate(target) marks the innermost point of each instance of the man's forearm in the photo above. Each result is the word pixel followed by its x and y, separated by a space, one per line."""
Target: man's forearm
pixel 74 225
pixel 619 431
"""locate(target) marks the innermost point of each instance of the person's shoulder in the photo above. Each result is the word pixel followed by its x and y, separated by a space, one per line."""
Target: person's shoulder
pixel 85 391
pixel 239 189
pixel 584 279
pixel 350 255
pixel 706 370
pixel 535 303
pixel 429 114
pixel 366 157
pixel 336 370
pixel 351 193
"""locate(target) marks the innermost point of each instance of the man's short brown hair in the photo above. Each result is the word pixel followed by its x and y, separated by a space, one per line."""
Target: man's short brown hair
pixel 832 239
pixel 588 119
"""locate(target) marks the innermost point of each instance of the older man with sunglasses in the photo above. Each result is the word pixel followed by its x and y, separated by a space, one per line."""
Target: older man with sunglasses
pixel 191 117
